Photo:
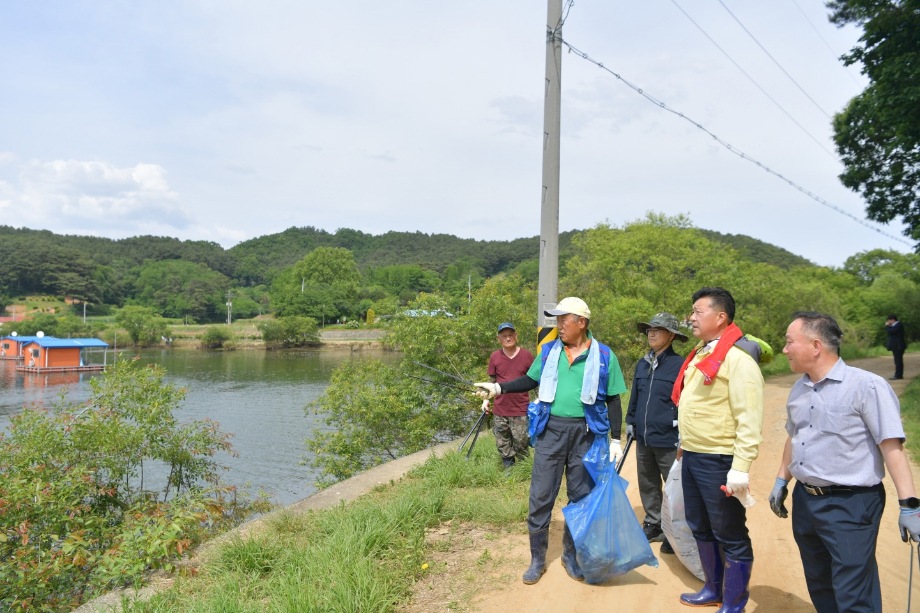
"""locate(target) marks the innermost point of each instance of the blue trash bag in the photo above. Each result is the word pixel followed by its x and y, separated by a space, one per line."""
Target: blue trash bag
pixel 537 416
pixel 608 538
pixel 597 458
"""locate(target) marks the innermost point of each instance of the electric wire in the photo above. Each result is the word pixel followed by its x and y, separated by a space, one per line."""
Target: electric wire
pixel 752 80
pixel 565 14
pixel 662 105
pixel 774 60
pixel 826 44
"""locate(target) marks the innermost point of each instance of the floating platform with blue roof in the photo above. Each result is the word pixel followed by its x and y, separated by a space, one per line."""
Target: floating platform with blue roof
pixel 50 354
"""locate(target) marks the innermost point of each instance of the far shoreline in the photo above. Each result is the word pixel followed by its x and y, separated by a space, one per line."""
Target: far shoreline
pixel 330 340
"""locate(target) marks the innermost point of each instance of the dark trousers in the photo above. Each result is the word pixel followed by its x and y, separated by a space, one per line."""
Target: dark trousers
pixel 559 448
pixel 712 516
pixel 898 362
pixel 652 467
pixel 836 535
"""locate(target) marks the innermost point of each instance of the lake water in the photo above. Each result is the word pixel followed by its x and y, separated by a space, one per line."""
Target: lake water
pixel 258 396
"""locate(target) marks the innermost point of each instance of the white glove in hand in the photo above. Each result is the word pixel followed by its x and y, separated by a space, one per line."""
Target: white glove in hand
pixel 737 484
pixel 616 452
pixel 488 390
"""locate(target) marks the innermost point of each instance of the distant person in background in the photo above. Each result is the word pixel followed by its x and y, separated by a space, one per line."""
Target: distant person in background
pixel 509 415
pixel 651 418
pixel 896 344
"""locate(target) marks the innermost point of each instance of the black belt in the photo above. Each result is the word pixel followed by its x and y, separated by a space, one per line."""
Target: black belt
pixel 824 490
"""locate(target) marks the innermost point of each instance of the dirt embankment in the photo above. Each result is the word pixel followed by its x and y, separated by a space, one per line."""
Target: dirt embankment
pixel 777 582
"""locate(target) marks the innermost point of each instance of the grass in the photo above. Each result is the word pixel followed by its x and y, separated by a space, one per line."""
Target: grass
pixel 910 416
pixel 361 557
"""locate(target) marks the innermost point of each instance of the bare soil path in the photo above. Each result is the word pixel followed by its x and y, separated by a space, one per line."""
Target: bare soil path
pixel 777 582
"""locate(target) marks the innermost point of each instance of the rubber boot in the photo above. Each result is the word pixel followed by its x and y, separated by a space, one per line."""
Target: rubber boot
pixel 569 560
pixel 711 594
pixel 538 545
pixel 735 594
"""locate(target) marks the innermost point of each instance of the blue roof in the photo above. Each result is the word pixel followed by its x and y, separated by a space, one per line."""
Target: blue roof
pixel 50 341
pixel 18 339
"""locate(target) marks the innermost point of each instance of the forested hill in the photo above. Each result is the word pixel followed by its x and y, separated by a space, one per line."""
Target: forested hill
pixel 433 251
pixel 107 271
pixel 758 251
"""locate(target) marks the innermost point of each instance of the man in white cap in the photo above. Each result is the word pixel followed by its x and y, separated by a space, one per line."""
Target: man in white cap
pixel 580 381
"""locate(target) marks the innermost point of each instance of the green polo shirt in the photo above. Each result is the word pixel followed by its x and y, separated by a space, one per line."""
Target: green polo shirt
pixel 568 390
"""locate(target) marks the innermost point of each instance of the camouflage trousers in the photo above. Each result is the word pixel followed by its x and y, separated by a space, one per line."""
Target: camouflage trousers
pixel 511 436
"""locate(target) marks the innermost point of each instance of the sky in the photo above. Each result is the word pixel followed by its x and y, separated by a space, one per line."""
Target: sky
pixel 222 120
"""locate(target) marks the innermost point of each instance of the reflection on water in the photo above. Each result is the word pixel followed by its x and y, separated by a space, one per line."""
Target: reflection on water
pixel 258 396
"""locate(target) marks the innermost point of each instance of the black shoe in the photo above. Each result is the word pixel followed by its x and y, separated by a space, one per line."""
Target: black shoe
pixel 895 378
pixel 652 532
pixel 507 463
pixel 666 547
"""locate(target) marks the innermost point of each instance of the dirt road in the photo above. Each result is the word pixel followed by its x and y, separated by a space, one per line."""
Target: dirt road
pixel 777 583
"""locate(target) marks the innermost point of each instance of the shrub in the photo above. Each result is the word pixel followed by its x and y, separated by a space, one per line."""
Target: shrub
pixel 75 517
pixel 293 331
pixel 216 337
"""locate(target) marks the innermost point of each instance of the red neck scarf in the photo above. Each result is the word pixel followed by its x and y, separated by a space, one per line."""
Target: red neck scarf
pixel 709 365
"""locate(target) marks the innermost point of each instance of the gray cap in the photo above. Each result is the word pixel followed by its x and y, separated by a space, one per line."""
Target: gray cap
pixel 666 321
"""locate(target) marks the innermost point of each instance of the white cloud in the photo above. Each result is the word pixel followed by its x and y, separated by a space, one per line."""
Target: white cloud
pixel 83 196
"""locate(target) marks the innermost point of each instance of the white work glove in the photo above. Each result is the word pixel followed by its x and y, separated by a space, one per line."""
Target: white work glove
pixel 737 484
pixel 488 390
pixel 616 452
pixel 630 431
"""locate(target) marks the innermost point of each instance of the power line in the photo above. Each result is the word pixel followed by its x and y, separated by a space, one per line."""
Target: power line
pixel 752 80
pixel 826 44
pixel 662 105
pixel 774 60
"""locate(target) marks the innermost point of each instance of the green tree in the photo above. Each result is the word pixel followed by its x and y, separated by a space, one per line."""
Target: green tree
pixel 867 265
pixel 892 293
pixel 143 324
pixel 217 336
pixel 291 331
pixel 177 288
pixel 399 279
pixel 62 326
pixel 646 267
pixel 375 412
pixel 76 518
pixel 330 266
pixel 323 285
pixel 878 133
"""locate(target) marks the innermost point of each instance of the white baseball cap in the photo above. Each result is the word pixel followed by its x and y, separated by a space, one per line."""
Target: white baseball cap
pixel 570 305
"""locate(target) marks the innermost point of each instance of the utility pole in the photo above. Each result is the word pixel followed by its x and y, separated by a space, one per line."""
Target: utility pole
pixel 229 306
pixel 547 292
